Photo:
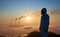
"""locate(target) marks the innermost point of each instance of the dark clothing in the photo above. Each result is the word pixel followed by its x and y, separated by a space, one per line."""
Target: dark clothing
pixel 44 25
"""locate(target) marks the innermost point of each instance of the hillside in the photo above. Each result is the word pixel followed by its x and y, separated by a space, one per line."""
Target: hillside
pixel 37 34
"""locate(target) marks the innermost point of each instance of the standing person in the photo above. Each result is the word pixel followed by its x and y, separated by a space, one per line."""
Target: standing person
pixel 44 23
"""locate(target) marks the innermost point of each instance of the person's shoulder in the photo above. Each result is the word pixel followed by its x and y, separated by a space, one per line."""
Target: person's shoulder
pixel 47 15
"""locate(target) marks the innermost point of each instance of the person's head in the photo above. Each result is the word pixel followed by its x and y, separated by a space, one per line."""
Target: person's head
pixel 44 10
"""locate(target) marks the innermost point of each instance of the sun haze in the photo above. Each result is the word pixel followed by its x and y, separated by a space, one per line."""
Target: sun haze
pixel 28 18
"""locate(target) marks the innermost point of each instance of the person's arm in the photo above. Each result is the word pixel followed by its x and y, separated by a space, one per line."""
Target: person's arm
pixel 40 24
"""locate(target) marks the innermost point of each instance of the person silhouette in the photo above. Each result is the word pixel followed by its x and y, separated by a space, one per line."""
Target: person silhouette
pixel 44 24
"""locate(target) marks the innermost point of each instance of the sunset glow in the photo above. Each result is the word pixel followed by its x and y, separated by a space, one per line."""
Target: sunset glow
pixel 19 18
pixel 28 18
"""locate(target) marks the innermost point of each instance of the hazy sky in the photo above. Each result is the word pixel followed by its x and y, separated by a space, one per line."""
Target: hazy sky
pixel 14 8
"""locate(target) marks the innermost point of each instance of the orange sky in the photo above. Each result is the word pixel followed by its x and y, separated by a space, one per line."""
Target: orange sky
pixel 34 22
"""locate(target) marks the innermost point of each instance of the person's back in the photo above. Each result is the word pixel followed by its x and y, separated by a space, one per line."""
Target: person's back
pixel 44 23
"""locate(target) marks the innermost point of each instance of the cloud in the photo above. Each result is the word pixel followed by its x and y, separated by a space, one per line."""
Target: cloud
pixel 55 11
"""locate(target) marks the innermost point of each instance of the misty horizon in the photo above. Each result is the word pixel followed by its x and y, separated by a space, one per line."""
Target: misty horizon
pixel 20 17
